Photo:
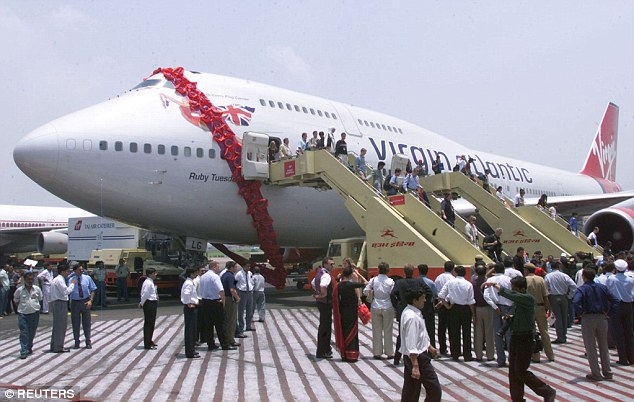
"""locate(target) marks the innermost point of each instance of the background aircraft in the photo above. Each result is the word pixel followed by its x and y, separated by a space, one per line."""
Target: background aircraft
pixel 31 228
pixel 147 158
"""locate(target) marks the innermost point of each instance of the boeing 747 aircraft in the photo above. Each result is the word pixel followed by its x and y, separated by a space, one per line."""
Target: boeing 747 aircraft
pixel 163 157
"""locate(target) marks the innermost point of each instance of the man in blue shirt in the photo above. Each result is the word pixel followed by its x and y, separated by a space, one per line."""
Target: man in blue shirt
pixel 593 301
pixel 81 299
pixel 573 224
pixel 622 286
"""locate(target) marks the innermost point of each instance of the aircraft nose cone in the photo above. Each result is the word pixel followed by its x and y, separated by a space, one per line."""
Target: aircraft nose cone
pixel 37 154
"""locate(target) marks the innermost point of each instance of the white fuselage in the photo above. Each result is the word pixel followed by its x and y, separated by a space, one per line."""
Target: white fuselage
pixel 106 159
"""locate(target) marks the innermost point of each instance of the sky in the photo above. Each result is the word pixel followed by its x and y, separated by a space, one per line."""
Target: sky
pixel 527 79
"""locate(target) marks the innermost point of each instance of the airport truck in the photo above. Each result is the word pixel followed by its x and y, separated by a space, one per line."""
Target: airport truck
pixel 168 279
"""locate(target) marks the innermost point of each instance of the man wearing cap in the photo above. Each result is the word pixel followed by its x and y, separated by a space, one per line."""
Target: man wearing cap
pixel 536 286
pixel 45 278
pixel 594 302
pixel 621 286
pixel 59 307
pixel 122 271
pixel 28 297
pixel 81 299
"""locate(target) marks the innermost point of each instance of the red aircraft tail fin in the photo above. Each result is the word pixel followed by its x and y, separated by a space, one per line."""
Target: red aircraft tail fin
pixel 601 160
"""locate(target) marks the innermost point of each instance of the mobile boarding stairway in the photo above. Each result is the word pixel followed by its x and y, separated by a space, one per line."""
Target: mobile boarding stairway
pixel 399 229
pixel 525 226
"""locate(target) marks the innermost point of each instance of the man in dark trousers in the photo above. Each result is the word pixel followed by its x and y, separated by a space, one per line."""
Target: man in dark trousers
pixel 457 295
pixel 417 351
pixel 149 304
pixel 429 313
pixel 322 286
pixel 522 339
pixel 594 302
pixel 397 296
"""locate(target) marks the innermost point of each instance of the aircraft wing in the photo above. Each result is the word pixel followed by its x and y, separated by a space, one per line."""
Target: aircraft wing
pixel 585 204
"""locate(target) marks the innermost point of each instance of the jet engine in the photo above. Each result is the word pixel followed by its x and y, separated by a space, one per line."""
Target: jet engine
pixel 52 243
pixel 615 224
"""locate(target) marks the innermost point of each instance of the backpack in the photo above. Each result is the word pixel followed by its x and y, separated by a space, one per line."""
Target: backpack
pixel 386 182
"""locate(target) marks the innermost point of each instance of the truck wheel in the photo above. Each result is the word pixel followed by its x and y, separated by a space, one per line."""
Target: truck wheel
pixel 300 285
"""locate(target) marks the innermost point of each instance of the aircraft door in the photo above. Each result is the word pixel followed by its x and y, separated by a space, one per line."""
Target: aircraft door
pixel 347 120
pixel 399 161
pixel 254 156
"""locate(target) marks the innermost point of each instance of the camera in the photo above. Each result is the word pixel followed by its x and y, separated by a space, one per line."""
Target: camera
pixel 507 319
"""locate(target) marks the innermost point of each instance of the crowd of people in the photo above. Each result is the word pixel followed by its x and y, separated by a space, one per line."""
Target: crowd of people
pixel 508 305
pixel 217 303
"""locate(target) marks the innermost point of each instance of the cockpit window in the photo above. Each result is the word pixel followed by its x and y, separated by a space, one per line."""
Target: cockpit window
pixel 148 83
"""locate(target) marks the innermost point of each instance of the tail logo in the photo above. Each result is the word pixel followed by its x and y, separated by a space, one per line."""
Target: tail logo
pixel 606 155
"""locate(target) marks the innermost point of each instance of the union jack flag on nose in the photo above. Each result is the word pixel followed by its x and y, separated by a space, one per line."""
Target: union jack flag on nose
pixel 237 114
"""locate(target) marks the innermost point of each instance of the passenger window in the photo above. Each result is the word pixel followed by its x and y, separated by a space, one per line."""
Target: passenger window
pixel 320 113
pixel 360 122
pixel 103 145
pixel 212 153
pixel 327 114
pixel 334 116
pixel 296 108
pixel 134 147
pixel 389 129
pixel 118 146
pixel 262 102
pixel 383 125
pixel 288 106
pixel 147 148
pixel 304 109
pixel 161 149
pixel 187 151
pixel 200 152
pixel 174 150
pixel 271 103
pixel 372 124
pixel 312 111
pixel 87 145
pixel 280 105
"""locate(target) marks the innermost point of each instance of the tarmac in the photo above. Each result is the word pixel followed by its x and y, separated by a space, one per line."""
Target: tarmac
pixel 274 363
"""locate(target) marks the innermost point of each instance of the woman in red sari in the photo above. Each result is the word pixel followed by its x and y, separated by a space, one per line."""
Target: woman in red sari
pixel 346 300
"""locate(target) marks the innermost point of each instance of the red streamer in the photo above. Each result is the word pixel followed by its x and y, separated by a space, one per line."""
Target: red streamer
pixel 231 149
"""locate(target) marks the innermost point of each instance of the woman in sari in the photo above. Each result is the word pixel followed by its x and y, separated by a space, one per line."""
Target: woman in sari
pixel 346 300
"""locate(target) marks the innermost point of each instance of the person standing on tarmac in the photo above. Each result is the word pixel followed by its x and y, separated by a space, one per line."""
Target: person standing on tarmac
pixel 122 271
pixel 522 340
pixel 149 304
pixel 323 286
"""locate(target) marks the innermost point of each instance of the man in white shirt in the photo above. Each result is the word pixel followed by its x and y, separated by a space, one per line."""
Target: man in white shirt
pixel 189 299
pixel 212 308
pixel 519 198
pixel 322 292
pixel 592 238
pixel 502 307
pixel 471 231
pixel 457 294
pixel 45 277
pixel 417 351
pixel 259 298
pixel 4 291
pixel 59 307
pixel 244 283
pixel 28 297
pixel 443 313
pixel 149 304
pixel 559 287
